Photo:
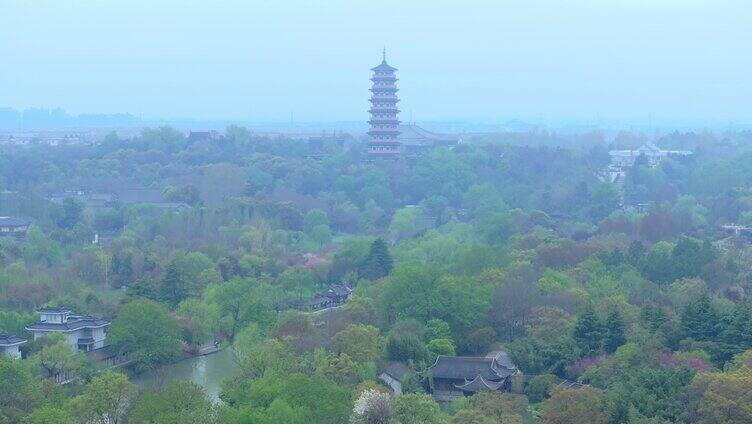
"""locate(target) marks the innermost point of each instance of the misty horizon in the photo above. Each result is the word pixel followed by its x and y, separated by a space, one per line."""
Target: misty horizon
pixel 585 61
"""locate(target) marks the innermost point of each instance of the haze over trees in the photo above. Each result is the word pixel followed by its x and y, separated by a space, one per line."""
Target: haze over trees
pixel 505 242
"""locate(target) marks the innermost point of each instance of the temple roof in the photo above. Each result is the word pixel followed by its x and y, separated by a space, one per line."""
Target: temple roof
pixel 492 368
pixel 463 368
pixel 7 339
pixel 478 384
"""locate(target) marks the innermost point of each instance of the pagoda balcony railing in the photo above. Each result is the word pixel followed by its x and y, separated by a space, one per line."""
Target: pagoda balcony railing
pixel 395 132
pixel 381 121
pixel 377 109
pixel 392 142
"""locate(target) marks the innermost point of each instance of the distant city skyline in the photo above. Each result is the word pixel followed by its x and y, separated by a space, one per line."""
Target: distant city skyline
pixel 577 61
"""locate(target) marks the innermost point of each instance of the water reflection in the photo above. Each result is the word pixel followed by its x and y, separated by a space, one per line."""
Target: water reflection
pixel 206 371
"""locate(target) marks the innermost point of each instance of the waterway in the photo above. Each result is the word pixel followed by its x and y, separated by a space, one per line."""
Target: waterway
pixel 207 371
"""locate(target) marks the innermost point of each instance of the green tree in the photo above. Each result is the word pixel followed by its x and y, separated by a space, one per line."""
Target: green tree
pixel 173 288
pixel 378 263
pixel 568 406
pixel 244 300
pixel 737 335
pixel 105 400
pixel 417 408
pixel 406 348
pixel 539 388
pixel 279 411
pixel 721 398
pixel 71 215
pixel 473 416
pixel 438 347
pixel 613 327
pixel 588 332
pixel 405 221
pixel 58 356
pixel 437 329
pixel 313 219
pixel 19 391
pixel 49 414
pixel 180 402
pixel 148 332
pixel 699 320
pixel 320 399
pixel 361 342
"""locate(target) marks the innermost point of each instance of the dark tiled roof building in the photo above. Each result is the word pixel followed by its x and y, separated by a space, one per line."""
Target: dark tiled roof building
pixel 455 376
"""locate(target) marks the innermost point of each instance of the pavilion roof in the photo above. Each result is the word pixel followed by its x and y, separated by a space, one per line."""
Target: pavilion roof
pixel 73 323
pixel 7 339
pixel 384 67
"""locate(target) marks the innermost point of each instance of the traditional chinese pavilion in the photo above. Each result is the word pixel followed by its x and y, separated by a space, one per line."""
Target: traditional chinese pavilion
pixel 383 135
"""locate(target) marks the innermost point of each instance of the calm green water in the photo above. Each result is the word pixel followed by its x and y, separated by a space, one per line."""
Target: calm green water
pixel 207 371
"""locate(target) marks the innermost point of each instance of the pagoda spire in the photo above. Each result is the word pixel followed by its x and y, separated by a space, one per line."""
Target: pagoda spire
pixel 383 54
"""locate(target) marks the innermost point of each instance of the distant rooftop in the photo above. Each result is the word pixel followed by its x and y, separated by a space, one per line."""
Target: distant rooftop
pixel 7 339
pixel 413 134
pixel 54 310
pixel 11 221
pixel 73 323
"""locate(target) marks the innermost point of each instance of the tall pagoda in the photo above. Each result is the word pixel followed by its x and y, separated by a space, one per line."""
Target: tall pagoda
pixel 383 142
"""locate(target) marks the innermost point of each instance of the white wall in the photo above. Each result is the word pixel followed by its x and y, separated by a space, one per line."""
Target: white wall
pixel 12 351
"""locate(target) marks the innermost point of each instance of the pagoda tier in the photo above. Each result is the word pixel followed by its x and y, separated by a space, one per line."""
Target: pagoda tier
pixel 384 125
pixel 384 78
pixel 378 98
pixel 384 89
pixel 382 109
pixel 382 121
pixel 384 133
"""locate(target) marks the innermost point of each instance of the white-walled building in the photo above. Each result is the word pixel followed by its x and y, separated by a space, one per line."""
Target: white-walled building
pixel 10 343
pixel 82 332
pixel 652 153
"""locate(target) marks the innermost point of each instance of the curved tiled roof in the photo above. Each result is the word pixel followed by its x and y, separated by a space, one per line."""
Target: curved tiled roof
pixel 492 368
pixel 463 367
pixel 384 67
pixel 74 323
pixel 7 339
pixel 478 384
pixel 411 133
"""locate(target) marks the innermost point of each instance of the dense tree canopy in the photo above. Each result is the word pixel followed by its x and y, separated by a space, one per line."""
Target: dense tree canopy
pixel 635 294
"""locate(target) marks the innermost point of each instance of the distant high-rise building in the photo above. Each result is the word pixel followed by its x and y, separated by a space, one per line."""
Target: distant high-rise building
pixel 383 135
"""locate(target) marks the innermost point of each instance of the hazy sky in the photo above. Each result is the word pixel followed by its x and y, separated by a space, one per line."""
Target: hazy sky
pixel 260 60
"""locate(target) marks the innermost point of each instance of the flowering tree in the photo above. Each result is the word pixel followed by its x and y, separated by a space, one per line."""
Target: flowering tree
pixel 372 407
